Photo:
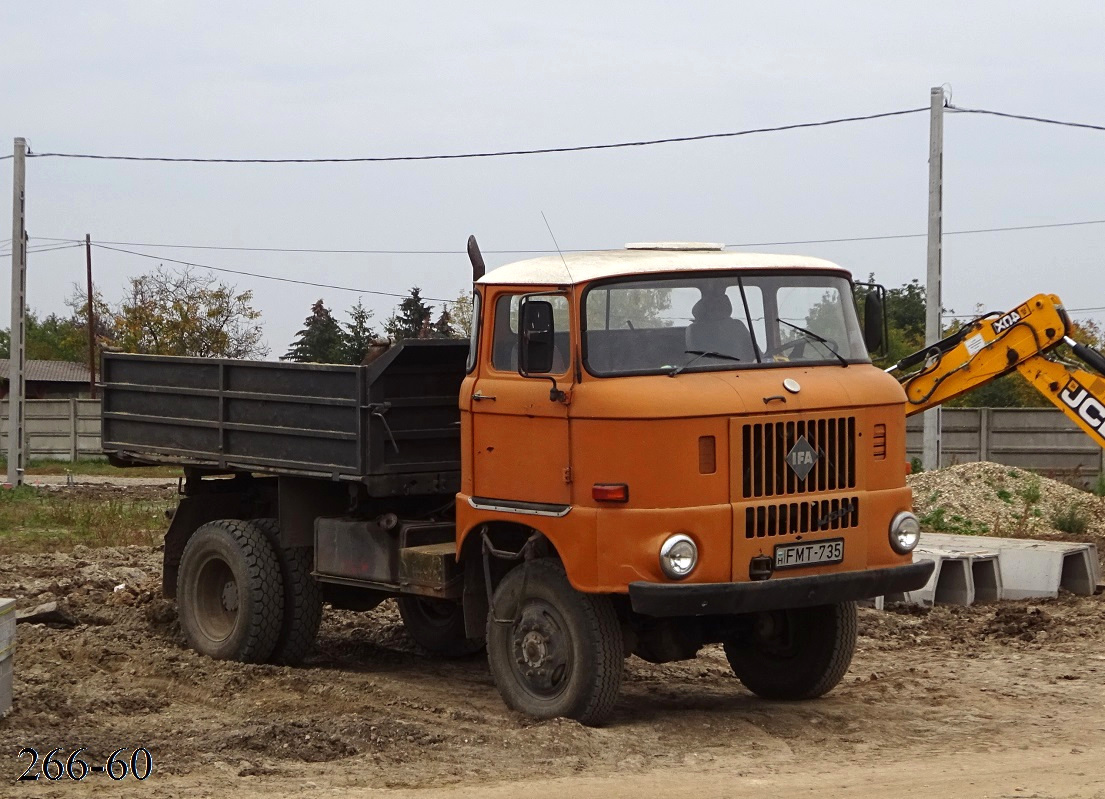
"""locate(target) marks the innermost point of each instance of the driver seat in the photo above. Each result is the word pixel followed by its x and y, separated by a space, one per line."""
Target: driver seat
pixel 713 329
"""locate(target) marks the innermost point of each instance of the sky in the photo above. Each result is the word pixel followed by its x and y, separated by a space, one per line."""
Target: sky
pixel 331 79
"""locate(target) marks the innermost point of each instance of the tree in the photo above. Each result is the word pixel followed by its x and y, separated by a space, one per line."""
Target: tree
pixel 358 336
pixel 444 327
pixel 411 319
pixel 168 312
pixel 320 341
pixel 51 338
pixel 462 313
pixel 104 320
pixel 56 337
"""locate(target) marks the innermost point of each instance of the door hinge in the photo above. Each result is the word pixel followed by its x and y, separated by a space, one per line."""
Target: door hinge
pixel 567 474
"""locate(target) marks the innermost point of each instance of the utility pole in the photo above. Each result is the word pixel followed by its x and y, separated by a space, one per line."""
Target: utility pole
pixel 91 320
pixel 930 457
pixel 17 387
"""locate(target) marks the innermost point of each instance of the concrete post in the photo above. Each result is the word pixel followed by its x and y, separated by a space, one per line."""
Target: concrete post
pixel 931 452
pixel 72 430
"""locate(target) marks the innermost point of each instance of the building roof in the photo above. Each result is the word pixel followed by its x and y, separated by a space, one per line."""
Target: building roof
pixel 49 371
pixel 583 267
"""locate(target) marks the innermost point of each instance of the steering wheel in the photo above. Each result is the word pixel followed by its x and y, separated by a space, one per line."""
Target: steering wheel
pixel 796 344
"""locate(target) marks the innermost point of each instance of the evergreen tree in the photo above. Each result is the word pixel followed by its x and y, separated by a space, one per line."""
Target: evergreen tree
pixel 320 341
pixel 443 327
pixel 358 335
pixel 411 319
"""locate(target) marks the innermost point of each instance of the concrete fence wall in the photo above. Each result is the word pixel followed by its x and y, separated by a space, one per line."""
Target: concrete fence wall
pixel 1040 439
pixel 59 429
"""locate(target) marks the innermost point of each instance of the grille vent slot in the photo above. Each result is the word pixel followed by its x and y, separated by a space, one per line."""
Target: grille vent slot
pixel 879 445
pixel 764 449
pixel 793 518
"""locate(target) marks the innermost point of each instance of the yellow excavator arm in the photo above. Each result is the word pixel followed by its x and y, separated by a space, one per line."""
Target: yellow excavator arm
pixel 1076 392
pixel 995 344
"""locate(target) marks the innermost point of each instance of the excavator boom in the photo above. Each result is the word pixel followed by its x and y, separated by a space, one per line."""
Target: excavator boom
pixel 998 343
pixel 982 350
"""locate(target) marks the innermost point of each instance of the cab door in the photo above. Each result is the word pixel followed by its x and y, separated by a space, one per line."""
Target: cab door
pixel 519 434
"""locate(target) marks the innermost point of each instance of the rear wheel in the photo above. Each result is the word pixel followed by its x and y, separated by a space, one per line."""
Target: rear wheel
pixel 437 625
pixel 554 651
pixel 302 598
pixel 230 596
pixel 800 653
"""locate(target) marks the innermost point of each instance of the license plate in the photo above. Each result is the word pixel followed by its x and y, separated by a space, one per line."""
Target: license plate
pixel 791 556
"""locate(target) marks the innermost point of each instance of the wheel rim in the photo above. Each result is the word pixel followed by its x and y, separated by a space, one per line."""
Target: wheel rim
pixel 541 650
pixel 217 600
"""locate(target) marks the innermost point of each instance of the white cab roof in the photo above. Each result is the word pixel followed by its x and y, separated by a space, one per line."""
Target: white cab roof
pixel 583 267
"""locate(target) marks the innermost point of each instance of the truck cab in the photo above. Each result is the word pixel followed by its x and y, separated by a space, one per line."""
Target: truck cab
pixel 696 434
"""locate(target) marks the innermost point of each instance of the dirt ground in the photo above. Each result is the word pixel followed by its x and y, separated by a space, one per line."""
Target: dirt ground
pixel 998 701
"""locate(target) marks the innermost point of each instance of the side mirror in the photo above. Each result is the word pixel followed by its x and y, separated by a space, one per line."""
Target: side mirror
pixel 874 320
pixel 535 337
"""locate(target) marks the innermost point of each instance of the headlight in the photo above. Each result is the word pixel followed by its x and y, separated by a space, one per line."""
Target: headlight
pixel 678 556
pixel 905 532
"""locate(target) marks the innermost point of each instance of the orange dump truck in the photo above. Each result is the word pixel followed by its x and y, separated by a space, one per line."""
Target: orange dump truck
pixel 653 450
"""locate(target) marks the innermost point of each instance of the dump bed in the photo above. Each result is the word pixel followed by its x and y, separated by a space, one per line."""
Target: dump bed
pixel 393 425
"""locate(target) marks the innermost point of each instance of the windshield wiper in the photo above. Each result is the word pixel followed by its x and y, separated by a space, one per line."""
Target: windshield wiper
pixel 815 337
pixel 698 354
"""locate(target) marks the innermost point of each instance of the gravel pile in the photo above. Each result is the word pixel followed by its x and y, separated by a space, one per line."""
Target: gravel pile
pixel 991 499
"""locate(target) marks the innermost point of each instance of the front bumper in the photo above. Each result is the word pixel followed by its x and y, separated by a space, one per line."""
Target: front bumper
pixel 702 599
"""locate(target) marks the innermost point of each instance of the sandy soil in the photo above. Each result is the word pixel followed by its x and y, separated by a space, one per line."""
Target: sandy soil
pixel 1005 700
pixel 992 701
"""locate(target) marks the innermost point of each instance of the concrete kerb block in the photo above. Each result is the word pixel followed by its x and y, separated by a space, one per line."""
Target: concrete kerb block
pixel 951 583
pixel 1031 569
pixel 986 573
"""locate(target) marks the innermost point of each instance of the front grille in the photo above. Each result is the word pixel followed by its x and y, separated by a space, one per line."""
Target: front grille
pixel 791 518
pixel 764 449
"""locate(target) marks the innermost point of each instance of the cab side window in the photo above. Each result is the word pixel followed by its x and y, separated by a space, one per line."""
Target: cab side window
pixel 504 345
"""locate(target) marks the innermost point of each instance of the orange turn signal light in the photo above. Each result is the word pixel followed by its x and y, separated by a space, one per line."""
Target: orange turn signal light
pixel 610 492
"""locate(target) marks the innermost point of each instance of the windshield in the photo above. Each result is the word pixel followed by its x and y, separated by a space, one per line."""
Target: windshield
pixel 667 325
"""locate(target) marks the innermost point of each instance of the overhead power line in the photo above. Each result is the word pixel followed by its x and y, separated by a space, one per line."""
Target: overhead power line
pixel 326 251
pixel 310 250
pixel 562 149
pixel 1045 120
pixel 486 154
pixel 44 248
pixel 923 235
pixel 263 276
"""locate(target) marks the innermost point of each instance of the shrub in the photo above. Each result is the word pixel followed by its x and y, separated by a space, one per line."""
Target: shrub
pixel 1073 520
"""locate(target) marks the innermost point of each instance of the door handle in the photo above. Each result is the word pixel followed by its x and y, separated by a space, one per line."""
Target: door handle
pixel 479 395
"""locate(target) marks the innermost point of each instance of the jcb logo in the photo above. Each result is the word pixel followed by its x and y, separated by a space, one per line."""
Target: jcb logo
pixel 1089 409
pixel 1010 319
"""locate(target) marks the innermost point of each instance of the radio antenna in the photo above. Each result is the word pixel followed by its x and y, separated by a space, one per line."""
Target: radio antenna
pixel 558 252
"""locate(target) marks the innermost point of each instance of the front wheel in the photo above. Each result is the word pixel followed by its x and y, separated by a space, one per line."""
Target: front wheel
pixel 800 653
pixel 554 651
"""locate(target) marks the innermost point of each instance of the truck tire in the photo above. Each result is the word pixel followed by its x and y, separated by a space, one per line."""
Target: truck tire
pixel 795 654
pixel 230 596
pixel 302 599
pixel 553 650
pixel 437 625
